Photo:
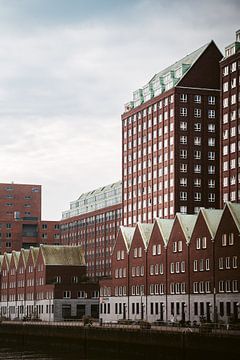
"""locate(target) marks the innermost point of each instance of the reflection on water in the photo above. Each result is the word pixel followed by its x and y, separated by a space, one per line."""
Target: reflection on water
pixel 21 353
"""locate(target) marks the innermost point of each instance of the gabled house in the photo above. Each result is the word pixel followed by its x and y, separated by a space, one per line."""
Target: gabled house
pixel 157 269
pixel 227 264
pixel 178 307
pixel 12 295
pixel 21 282
pixel 201 264
pixel 137 272
pixel 114 299
pixel 5 284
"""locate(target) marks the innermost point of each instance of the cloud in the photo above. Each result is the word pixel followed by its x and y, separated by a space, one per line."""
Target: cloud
pixel 68 67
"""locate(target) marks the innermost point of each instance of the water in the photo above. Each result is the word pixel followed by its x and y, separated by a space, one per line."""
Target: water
pixel 12 352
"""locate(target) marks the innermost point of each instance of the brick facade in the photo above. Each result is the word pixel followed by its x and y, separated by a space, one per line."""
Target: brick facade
pixel 187 283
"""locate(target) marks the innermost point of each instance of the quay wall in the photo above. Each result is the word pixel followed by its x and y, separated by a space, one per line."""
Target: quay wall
pixel 123 343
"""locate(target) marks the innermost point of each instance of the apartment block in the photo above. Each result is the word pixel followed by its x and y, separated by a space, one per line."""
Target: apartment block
pixel 170 140
pixel 230 122
pixel 21 225
pixel 20 201
pixel 92 222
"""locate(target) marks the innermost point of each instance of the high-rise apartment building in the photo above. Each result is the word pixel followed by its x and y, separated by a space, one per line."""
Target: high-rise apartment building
pixel 230 120
pixel 170 140
pixel 20 201
pixel 92 222
pixel 21 225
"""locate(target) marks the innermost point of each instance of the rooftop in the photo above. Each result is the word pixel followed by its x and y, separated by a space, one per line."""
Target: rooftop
pixel 165 79
pixel 96 199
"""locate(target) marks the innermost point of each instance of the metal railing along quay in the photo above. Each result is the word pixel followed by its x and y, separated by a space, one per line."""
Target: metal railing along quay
pixel 206 328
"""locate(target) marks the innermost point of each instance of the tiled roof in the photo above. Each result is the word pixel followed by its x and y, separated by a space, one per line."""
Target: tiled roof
pixel 34 251
pixel 165 227
pixel 1 260
pixel 187 223
pixel 25 254
pixel 16 255
pixel 127 233
pixel 165 79
pixel 146 231
pixel 212 218
pixel 62 255
pixel 235 211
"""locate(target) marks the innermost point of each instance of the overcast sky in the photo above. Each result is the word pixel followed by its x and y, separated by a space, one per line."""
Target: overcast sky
pixel 67 67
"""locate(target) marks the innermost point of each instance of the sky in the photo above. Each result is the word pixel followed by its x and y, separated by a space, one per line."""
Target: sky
pixel 67 67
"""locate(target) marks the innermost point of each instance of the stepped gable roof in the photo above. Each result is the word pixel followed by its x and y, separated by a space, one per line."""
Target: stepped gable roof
pixel 234 209
pixel 187 223
pixel 146 231
pixel 189 59
pixel 25 254
pixel 212 218
pixel 62 255
pixel 16 256
pixel 127 233
pixel 34 251
pixel 165 227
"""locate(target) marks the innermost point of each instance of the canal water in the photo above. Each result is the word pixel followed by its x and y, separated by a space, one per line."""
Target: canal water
pixel 13 352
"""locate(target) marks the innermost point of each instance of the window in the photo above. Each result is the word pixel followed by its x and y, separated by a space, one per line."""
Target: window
pixel 234 262
pixel 197 196
pixel 183 97
pixel 197 141
pixel 183 111
pixel 220 263
pixel 207 263
pixel 180 246
pixel 197 99
pixel 198 243
pixel 183 154
pixel 174 246
pixel 183 167
pixel 211 114
pixel 211 142
pixel 197 168
pixel 204 243
pixel 235 285
pixel 227 262
pixel 231 239
pixel 211 128
pixel 197 113
pixel 211 100
pixel 183 181
pixel 197 182
pixel 195 265
pixel 183 140
pixel 201 265
pixel 67 294
pixel 195 287
pixel 211 155
pixel 183 195
pixel 224 240
pixel 183 126
pixel 211 197
pixel 197 127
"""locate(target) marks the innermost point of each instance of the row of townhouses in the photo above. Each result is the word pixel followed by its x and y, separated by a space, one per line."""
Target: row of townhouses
pixel 181 269
pixel 47 283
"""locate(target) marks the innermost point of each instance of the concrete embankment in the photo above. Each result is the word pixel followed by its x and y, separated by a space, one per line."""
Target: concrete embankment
pixel 124 343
